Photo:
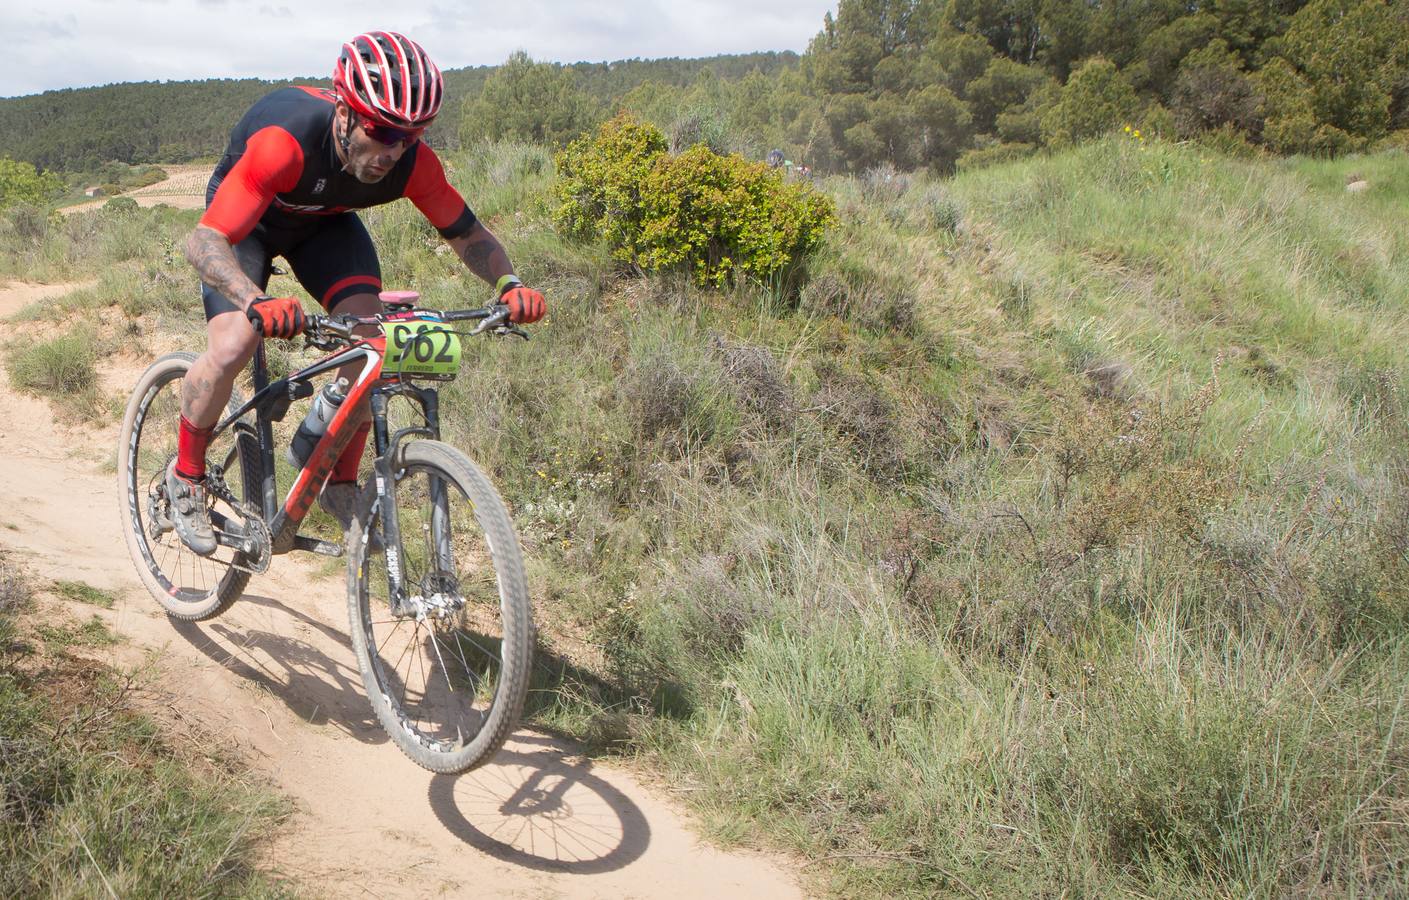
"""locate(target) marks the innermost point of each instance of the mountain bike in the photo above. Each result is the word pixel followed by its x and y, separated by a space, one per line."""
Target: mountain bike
pixel 437 596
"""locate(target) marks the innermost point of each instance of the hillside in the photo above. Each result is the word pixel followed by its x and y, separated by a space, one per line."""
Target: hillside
pixel 935 85
pixel 1050 541
pixel 177 121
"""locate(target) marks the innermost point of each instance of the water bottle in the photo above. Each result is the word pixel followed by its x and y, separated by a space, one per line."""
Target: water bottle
pixel 311 429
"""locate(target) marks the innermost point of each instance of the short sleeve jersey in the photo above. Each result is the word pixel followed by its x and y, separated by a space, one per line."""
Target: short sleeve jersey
pixel 281 167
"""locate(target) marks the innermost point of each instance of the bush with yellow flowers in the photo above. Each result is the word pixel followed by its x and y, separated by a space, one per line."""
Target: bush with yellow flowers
pixel 718 217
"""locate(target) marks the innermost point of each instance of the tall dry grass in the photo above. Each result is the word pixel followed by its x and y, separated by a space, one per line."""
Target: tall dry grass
pixel 1049 540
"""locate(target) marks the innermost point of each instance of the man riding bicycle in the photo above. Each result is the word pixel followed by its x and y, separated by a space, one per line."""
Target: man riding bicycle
pixel 299 161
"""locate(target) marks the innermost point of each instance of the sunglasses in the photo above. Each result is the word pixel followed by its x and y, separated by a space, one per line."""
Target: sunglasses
pixel 390 137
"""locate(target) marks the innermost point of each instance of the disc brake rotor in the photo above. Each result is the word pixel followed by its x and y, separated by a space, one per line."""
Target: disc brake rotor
pixel 158 506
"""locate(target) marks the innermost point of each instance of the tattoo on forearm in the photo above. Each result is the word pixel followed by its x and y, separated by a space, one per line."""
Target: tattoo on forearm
pixel 209 252
pixel 483 254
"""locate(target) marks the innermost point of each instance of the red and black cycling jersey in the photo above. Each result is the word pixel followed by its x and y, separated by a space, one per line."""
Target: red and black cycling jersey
pixel 282 167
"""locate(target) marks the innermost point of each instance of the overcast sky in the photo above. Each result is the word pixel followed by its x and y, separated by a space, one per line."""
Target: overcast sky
pixel 80 43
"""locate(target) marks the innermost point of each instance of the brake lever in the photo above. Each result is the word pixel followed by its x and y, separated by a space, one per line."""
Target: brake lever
pixel 511 331
pixel 497 322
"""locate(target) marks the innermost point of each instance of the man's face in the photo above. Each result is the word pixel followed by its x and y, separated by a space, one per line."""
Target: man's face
pixel 367 158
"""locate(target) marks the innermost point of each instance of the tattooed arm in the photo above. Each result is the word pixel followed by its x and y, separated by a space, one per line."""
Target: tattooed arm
pixel 210 253
pixel 482 254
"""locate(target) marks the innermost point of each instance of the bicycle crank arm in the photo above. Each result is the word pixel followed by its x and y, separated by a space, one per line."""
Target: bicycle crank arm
pixel 235 540
pixel 314 545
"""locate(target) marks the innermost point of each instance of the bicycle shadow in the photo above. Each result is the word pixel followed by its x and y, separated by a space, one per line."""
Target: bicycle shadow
pixel 314 686
pixel 538 805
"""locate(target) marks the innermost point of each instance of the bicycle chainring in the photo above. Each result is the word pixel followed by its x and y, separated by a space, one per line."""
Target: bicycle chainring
pixel 257 533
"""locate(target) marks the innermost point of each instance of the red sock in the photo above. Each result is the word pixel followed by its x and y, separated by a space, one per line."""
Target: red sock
pixel 345 469
pixel 190 450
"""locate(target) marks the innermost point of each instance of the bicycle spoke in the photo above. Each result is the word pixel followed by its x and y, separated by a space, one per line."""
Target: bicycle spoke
pixel 435 645
pixel 459 649
pixel 188 586
pixel 419 660
pixel 448 705
pixel 396 623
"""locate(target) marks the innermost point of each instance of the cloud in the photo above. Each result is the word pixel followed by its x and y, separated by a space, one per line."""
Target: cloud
pixel 20 29
pixel 75 43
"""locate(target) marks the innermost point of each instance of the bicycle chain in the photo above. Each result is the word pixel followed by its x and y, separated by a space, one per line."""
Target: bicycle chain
pixel 253 523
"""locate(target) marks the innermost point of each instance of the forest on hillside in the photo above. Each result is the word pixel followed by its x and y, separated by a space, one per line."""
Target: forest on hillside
pixel 939 83
pixel 908 83
pixel 176 121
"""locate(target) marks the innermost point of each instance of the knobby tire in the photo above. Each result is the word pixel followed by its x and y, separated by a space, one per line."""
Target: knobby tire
pixel 503 607
pixel 153 561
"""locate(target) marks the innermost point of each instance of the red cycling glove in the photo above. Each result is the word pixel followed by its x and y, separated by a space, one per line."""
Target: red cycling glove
pixel 525 304
pixel 276 317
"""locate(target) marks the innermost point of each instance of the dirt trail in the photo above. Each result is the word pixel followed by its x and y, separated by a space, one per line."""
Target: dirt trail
pixel 276 681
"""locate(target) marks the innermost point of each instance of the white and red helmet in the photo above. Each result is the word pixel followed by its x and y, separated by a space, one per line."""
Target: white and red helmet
pixel 387 78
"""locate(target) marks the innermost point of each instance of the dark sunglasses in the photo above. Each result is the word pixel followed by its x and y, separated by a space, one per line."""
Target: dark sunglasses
pixel 390 137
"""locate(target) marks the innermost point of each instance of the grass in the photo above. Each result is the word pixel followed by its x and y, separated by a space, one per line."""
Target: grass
pixel 94 801
pixel 62 368
pixel 1009 555
pixel 92 633
pixel 81 592
pixel 1075 502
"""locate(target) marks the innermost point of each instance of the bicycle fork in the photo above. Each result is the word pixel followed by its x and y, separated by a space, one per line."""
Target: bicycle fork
pixel 385 469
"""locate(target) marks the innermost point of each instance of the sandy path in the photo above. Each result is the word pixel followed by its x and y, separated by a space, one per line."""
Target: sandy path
pixel 276 681
pixel 16 295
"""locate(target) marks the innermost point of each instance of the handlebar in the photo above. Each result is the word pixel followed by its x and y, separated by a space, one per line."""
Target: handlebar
pixel 331 332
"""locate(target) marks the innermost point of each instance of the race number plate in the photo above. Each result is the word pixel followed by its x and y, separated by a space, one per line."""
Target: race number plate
pixel 421 348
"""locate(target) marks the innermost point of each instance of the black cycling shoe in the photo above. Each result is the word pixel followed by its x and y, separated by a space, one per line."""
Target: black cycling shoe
pixel 189 513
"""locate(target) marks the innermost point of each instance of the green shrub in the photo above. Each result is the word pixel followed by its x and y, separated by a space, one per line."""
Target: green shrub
pixel 1096 99
pixel 1229 141
pixel 979 157
pixel 716 217
pixel 63 368
pixel 1212 91
pixel 21 183
pixel 146 176
pixel 119 207
pixel 27 222
pixel 600 190
pixel 701 125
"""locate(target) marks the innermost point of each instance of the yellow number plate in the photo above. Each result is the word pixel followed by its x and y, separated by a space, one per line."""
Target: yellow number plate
pixel 421 348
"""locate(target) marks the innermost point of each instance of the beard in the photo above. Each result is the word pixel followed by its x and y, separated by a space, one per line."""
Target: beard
pixel 362 170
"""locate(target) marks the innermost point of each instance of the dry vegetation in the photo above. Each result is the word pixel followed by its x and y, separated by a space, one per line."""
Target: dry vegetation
pixel 1050 540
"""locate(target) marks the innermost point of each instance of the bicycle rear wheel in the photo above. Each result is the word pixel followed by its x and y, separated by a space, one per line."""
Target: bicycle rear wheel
pixel 448 672
pixel 189 587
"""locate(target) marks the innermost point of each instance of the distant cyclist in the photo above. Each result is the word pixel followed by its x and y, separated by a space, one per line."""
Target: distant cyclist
pixel 298 163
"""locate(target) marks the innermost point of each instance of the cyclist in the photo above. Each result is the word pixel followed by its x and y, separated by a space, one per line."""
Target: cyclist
pixel 299 162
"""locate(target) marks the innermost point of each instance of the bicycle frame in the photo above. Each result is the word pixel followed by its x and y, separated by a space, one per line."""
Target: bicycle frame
pixel 270 403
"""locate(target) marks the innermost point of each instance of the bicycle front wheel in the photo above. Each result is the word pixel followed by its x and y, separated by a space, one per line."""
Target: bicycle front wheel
pixel 189 587
pixel 446 666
